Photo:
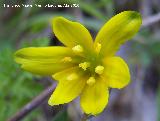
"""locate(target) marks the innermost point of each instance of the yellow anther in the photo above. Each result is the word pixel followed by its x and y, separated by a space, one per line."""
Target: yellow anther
pixel 84 65
pixel 91 81
pixel 98 47
pixel 77 49
pixel 66 59
pixel 99 69
pixel 71 77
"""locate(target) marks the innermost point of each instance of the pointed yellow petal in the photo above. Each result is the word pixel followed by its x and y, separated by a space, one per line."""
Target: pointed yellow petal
pixel 45 68
pixel 94 98
pixel 118 30
pixel 44 60
pixel 71 83
pixel 116 72
pixel 72 33
pixel 66 74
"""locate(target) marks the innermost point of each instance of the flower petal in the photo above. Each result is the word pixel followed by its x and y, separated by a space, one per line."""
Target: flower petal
pixel 118 30
pixel 116 72
pixel 44 60
pixel 72 33
pixel 94 98
pixel 70 85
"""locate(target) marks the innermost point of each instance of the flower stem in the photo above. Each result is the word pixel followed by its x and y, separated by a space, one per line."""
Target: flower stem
pixel 33 104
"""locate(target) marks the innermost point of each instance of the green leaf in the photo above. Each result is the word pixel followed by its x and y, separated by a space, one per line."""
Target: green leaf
pixel 158 100
pixel 61 116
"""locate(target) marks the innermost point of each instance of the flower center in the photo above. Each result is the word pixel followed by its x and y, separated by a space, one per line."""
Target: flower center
pixel 84 65
pixel 92 64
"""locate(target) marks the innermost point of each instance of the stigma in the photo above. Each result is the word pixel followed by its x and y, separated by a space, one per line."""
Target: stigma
pixel 84 65
pixel 77 49
pixel 91 81
pixel 99 69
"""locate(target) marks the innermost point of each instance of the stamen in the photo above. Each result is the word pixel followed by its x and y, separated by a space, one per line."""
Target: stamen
pixel 84 65
pixel 77 49
pixel 98 47
pixel 66 59
pixel 99 69
pixel 71 77
pixel 91 81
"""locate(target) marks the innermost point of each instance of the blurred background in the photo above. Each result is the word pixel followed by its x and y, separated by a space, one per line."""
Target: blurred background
pixel 25 26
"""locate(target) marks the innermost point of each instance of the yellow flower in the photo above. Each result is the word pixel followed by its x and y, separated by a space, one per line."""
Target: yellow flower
pixel 84 68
